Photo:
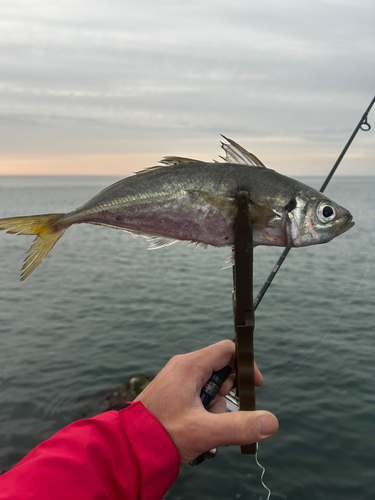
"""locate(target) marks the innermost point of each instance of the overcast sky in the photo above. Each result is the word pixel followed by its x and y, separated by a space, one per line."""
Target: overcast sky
pixel 111 86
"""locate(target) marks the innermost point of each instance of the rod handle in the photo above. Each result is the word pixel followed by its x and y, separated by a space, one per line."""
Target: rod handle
pixel 208 392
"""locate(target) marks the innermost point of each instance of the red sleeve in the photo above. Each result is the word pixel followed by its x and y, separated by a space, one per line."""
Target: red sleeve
pixel 116 455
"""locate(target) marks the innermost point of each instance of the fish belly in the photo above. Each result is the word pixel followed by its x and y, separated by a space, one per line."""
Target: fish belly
pixel 166 218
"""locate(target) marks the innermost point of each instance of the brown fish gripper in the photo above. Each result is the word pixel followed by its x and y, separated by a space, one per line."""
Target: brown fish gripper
pixel 243 309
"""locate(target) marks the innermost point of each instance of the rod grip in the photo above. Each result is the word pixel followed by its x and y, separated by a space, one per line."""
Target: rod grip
pixel 208 392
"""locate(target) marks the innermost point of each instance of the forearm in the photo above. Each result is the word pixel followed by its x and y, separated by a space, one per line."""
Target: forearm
pixel 115 455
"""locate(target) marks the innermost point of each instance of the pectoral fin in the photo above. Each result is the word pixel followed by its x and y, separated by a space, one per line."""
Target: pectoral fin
pixel 261 216
pixel 222 203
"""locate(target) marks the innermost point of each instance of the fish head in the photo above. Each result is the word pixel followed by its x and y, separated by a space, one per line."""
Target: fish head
pixel 312 218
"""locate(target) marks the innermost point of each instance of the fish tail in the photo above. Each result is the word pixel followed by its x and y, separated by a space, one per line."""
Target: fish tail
pixel 47 231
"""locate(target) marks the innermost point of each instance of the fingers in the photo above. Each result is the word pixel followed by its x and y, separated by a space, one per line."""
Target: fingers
pixel 257 375
pixel 237 428
pixel 215 357
pixel 218 405
pixel 230 381
pixel 243 427
pixel 227 385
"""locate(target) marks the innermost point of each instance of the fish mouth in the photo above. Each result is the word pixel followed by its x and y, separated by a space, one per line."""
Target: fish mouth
pixel 348 225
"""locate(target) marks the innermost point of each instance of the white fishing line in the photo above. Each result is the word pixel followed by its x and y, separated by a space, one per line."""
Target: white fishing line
pixel 326 335
pixel 262 475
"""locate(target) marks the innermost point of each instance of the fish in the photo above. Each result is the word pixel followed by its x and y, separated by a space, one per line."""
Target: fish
pixel 190 200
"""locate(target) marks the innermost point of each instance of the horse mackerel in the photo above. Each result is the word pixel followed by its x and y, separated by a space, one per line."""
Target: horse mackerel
pixel 186 199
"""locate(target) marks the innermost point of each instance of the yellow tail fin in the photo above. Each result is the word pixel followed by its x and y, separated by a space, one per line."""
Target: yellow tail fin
pixel 47 233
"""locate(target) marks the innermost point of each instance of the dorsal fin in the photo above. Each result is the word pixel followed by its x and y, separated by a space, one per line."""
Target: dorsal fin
pixel 234 153
pixel 171 161
pixel 177 160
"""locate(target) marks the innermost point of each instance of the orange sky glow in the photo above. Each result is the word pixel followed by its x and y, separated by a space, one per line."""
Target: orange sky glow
pixel 294 158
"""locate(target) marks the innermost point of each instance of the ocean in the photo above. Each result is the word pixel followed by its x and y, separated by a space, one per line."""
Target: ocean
pixel 102 308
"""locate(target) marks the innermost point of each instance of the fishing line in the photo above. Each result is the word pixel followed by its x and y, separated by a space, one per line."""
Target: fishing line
pixel 262 475
pixel 326 335
pixel 234 398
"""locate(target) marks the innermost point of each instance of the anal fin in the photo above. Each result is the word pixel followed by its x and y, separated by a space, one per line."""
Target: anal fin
pixel 156 242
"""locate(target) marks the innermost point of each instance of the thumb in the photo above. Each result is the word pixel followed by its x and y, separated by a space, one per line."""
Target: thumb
pixel 241 427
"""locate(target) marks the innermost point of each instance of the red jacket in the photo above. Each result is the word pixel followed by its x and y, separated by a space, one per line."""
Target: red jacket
pixel 116 455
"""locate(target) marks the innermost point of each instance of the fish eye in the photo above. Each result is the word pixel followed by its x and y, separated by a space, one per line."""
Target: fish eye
pixel 326 212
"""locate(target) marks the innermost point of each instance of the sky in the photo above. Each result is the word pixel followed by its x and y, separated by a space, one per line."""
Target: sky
pixel 102 87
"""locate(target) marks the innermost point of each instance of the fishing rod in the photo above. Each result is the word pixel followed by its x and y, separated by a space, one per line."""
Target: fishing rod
pixel 244 307
pixel 362 125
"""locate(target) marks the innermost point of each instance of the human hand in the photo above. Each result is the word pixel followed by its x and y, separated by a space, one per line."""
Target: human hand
pixel 174 398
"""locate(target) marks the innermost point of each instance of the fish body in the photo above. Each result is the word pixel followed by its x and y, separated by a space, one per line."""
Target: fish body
pixel 192 200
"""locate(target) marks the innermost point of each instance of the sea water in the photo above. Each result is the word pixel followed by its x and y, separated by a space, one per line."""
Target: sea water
pixel 101 308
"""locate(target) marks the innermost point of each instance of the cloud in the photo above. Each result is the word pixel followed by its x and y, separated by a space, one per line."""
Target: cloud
pixel 128 77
